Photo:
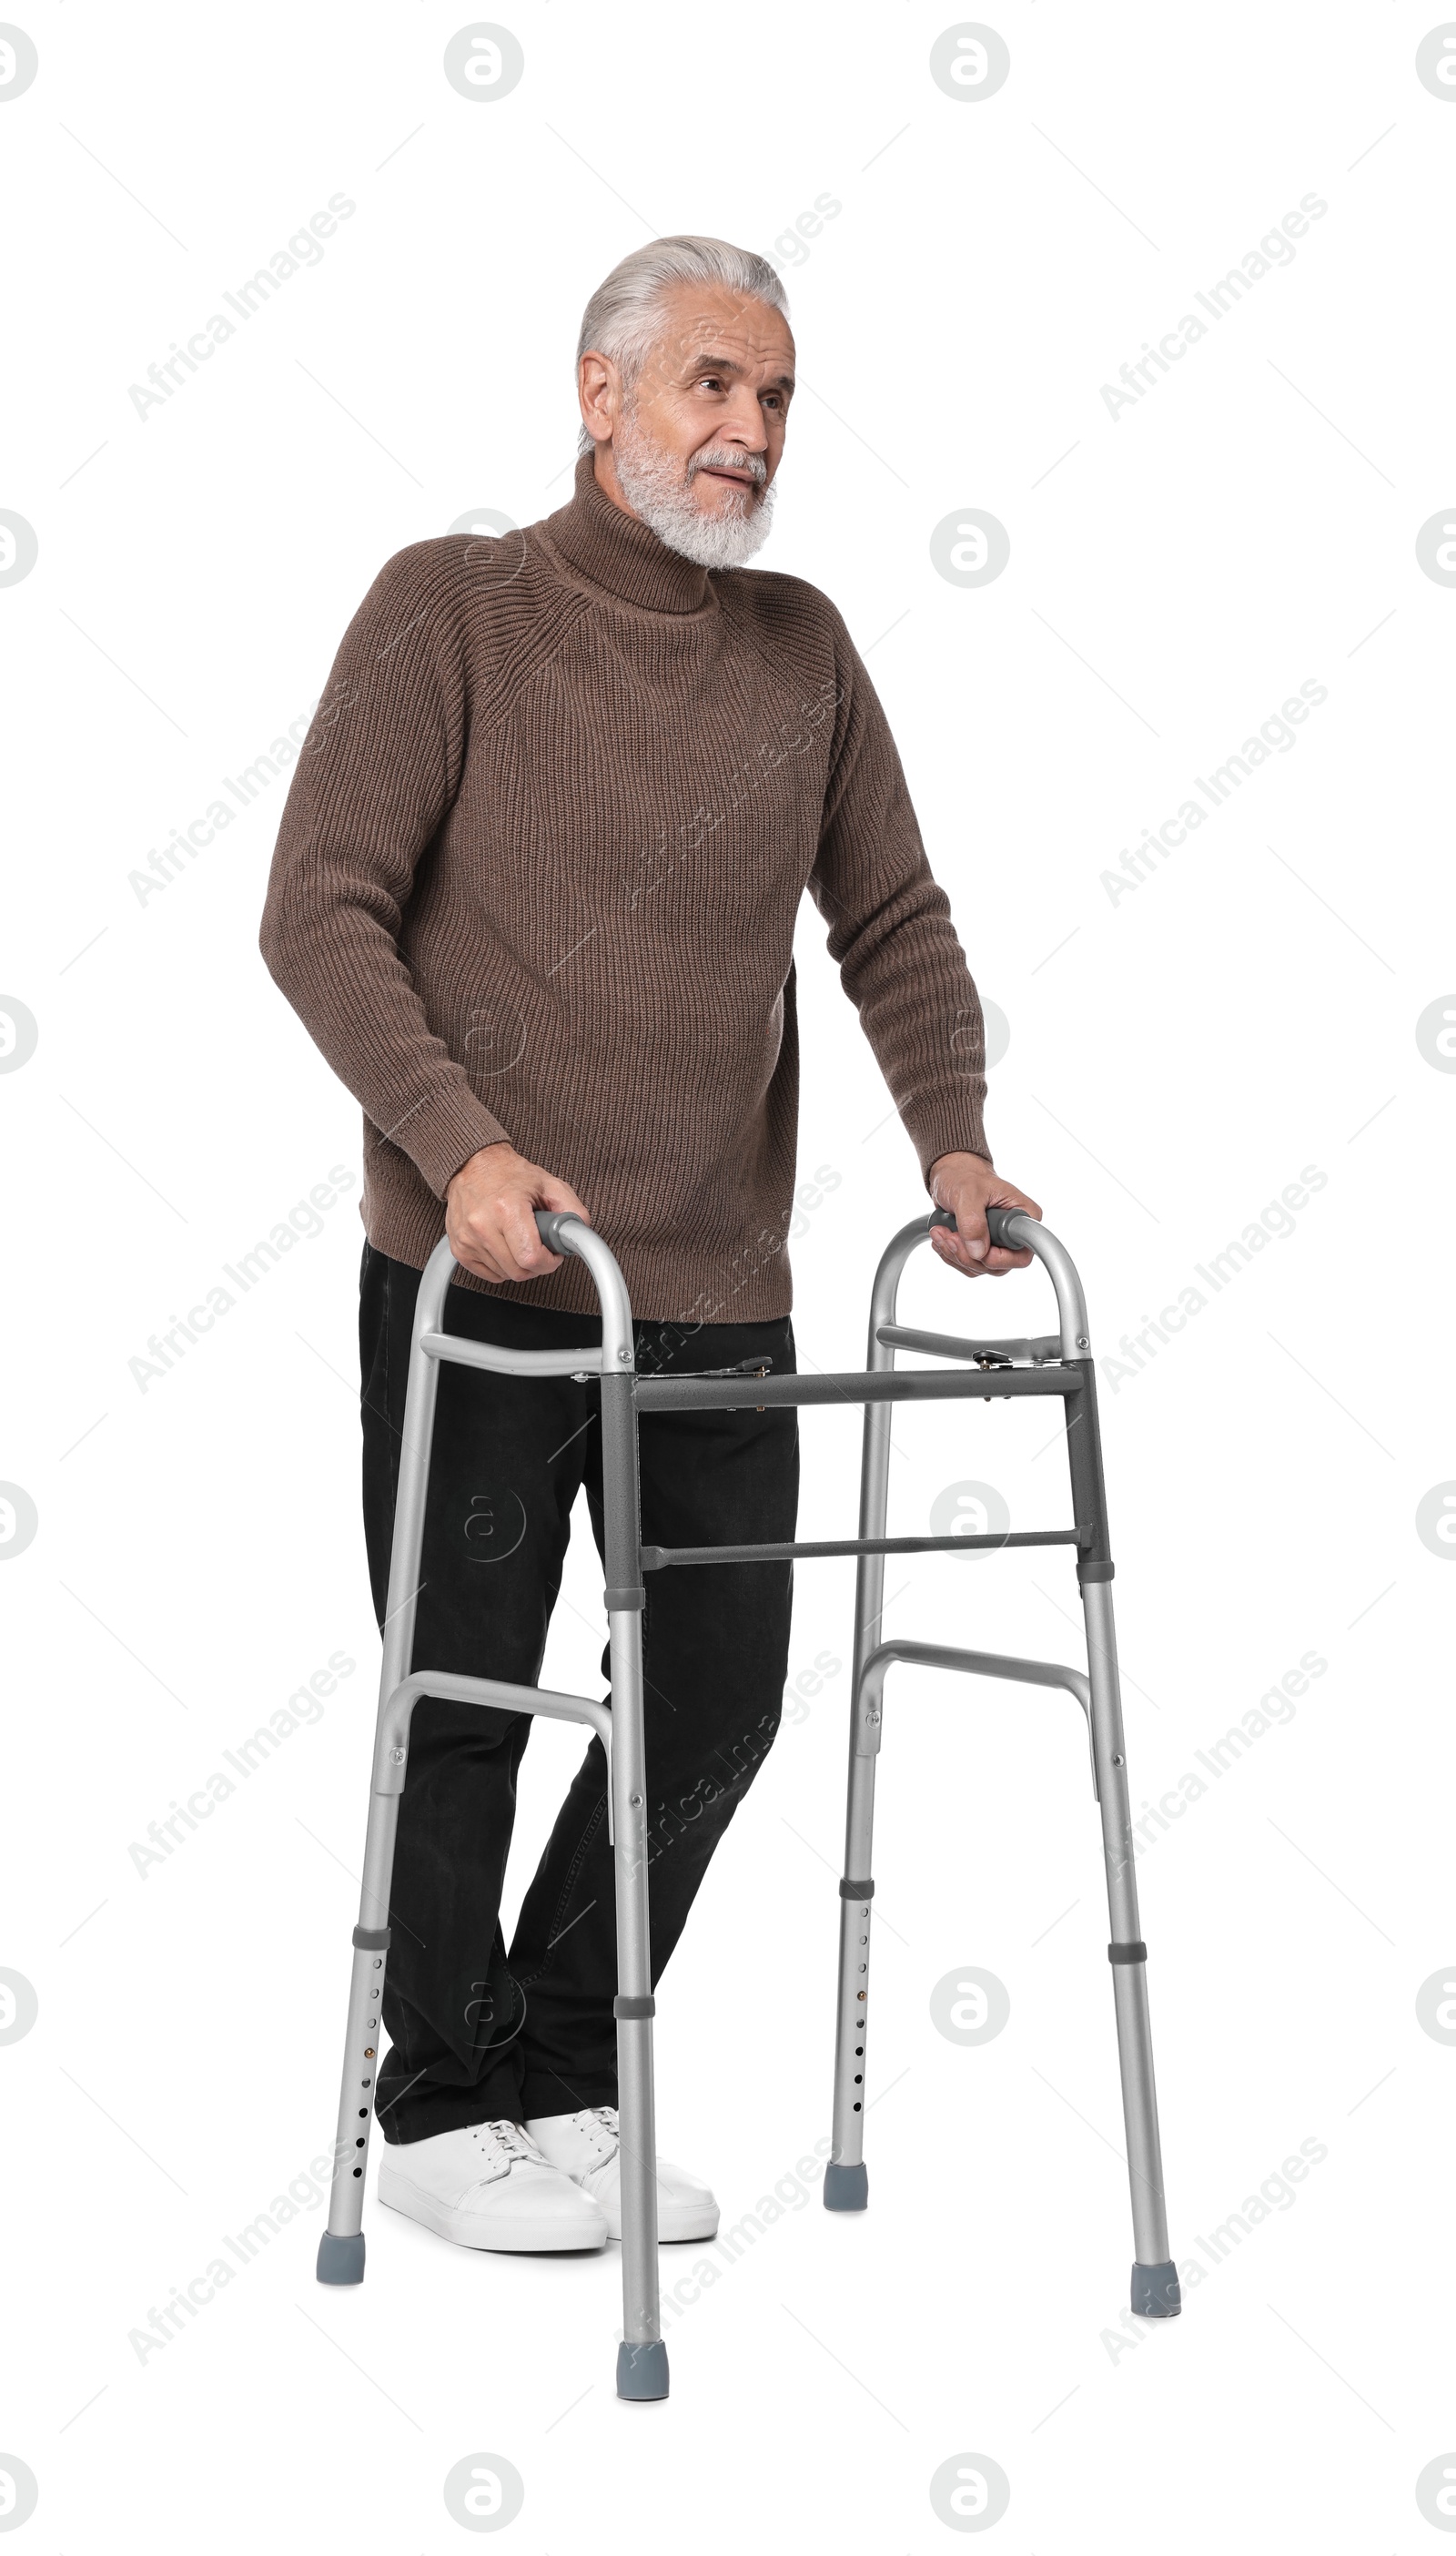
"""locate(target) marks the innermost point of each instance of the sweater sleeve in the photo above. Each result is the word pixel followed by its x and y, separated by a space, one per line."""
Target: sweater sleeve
pixel 375 781
pixel 890 932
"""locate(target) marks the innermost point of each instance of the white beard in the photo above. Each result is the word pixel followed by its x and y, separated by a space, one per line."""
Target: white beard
pixel 657 487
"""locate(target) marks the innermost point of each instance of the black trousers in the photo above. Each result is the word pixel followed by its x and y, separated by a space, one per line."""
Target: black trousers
pixel 478 2033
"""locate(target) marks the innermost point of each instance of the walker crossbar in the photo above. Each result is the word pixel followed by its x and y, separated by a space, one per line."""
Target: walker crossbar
pixel 499 1361
pixel 661 1557
pixel 910 1385
pixel 1056 1363
pixel 935 1655
pixel 392 1740
pixel 1037 1352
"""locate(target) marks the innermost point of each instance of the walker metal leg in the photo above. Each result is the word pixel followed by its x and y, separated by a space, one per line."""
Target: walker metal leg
pixel 1155 2291
pixel 642 2357
pixel 341 2247
pixel 846 2181
pixel 1154 2277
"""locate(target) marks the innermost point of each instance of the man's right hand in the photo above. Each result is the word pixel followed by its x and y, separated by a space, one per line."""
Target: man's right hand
pixel 490 1214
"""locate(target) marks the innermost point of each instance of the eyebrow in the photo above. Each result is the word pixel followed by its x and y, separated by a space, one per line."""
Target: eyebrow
pixel 726 365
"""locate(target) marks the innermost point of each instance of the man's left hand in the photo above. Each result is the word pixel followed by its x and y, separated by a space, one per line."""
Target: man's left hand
pixel 967 1183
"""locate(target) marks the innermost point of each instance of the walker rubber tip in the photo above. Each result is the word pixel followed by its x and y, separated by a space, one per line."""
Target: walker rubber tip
pixel 341 2260
pixel 1155 2291
pixel 846 2187
pixel 642 2371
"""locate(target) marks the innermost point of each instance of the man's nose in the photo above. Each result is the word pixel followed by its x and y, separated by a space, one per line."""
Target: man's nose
pixel 744 422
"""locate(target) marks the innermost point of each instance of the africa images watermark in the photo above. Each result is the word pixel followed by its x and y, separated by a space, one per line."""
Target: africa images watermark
pixel 304 1223
pixel 791 247
pixel 800 1691
pixel 1276 1705
pixel 1276 248
pixel 791 2193
pixel 305 1704
pixel 708 1305
pixel 307 2190
pixel 1277 2192
pixel 171 860
pixel 1276 736
pixel 1274 1223
pixel 655 865
pixel 305 248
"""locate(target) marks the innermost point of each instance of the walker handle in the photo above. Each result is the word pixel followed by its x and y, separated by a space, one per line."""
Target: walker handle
pixel 567 1232
pixel 548 1223
pixel 1014 1229
pixel 998 1221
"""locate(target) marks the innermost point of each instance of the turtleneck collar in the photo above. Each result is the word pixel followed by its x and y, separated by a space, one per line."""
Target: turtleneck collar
pixel 617 550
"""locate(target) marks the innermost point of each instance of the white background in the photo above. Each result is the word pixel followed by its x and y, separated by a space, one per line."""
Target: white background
pixel 1175 1058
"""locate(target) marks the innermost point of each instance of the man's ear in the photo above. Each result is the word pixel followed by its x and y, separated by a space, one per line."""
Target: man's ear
pixel 599 391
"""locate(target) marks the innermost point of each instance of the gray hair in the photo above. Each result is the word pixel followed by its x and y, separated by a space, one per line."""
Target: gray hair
pixel 621 319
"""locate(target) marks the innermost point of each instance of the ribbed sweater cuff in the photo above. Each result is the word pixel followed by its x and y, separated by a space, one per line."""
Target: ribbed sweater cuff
pixel 968 1138
pixel 444 1132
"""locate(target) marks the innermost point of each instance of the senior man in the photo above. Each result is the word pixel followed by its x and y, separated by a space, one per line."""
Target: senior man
pixel 533 897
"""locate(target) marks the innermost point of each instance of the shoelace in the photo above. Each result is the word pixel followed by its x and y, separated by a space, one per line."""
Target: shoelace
pixel 604 2115
pixel 510 2136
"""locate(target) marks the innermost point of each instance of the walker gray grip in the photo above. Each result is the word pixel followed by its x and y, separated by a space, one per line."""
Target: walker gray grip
pixel 998 1221
pixel 548 1225
pixel 995 1224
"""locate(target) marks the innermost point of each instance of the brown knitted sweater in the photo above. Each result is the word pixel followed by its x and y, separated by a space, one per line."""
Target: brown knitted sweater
pixel 537 875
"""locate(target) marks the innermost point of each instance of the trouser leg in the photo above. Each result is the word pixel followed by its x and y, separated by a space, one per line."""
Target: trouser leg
pixel 716 1654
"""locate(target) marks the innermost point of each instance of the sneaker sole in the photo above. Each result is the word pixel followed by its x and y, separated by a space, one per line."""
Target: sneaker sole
pixel 484 2234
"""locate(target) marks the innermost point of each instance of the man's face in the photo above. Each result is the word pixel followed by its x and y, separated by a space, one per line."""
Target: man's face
pixel 701 426
pixel 715 392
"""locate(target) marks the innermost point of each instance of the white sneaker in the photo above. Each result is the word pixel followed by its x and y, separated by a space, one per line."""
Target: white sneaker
pixel 491 2187
pixel 585 2145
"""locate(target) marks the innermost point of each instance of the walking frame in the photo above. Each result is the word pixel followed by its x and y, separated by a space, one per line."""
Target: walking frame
pixel 1058 1363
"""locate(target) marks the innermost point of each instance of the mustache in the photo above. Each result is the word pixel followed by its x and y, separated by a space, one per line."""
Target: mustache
pixel 713 459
